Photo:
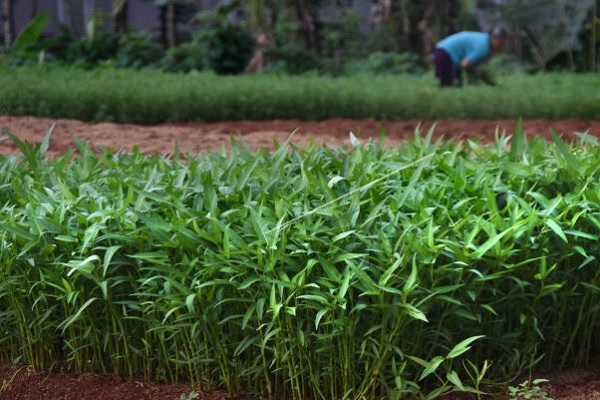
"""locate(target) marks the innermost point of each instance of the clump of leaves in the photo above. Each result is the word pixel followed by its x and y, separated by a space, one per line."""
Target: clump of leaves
pixel 189 396
pixel 230 49
pixel 529 390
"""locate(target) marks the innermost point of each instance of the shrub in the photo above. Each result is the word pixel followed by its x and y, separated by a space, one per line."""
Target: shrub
pixel 92 50
pixel 189 56
pixel 137 50
pixel 293 60
pixel 230 49
pixel 392 63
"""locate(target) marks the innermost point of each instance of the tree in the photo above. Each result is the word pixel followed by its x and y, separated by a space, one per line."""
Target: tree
pixel 307 13
pixel 550 27
pixel 33 8
pixel 8 22
pixel 172 12
pixel 120 11
pixel 421 23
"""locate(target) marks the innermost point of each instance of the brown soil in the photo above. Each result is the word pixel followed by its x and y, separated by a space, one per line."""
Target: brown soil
pixel 24 384
pixel 206 136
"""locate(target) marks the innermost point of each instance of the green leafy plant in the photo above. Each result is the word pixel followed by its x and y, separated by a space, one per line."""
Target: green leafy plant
pixel 27 47
pixel 293 60
pixel 150 97
pixel 322 273
pixel 392 63
pixel 137 50
pixel 189 396
pixel 5 386
pixel 529 390
pixel 186 57
pixel 230 49
pixel 92 50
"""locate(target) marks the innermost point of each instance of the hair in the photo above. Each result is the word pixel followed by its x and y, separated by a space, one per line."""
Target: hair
pixel 499 31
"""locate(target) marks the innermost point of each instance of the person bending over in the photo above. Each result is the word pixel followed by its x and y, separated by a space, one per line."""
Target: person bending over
pixel 465 51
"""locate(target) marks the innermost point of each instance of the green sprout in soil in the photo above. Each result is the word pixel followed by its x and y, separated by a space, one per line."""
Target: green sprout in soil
pixel 529 390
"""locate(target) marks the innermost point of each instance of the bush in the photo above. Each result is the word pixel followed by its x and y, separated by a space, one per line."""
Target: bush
pixel 504 64
pixel 137 50
pixel 392 63
pixel 230 49
pixel 189 56
pixel 292 59
pixel 92 50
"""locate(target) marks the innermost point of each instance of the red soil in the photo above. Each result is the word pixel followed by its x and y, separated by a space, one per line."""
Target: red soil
pixel 209 136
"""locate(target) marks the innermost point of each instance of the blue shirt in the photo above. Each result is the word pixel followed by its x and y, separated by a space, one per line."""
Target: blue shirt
pixel 474 46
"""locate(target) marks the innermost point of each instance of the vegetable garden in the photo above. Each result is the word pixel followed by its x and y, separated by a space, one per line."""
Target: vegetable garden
pixel 152 97
pixel 325 273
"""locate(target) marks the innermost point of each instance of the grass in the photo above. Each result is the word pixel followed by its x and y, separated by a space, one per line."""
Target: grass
pixel 150 97
pixel 320 273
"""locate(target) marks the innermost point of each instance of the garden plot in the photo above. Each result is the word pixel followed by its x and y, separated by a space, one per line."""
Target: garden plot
pixel 359 272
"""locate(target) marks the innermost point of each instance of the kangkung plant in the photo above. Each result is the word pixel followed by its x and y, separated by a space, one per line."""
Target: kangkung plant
pixel 318 273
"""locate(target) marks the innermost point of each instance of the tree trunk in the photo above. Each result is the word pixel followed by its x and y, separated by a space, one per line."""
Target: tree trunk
pixel 171 25
pixel 8 22
pixel 89 21
pixel 406 28
pixel 310 27
pixel 121 15
pixel 33 8
pixel 425 32
pixel 593 43
pixel 69 15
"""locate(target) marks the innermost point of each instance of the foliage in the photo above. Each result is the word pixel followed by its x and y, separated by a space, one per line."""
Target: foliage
pixel 230 49
pixel 137 50
pixel 31 33
pixel 92 50
pixel 25 49
pixel 320 273
pixel 150 97
pixel 552 27
pixel 504 64
pixel 190 396
pixel 381 63
pixel 344 38
pixel 186 57
pixel 529 390
pixel 292 60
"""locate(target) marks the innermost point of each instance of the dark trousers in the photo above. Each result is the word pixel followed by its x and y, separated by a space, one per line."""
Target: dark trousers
pixel 445 70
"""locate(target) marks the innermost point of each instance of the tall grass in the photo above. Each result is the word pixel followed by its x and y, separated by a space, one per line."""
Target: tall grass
pixel 150 97
pixel 319 273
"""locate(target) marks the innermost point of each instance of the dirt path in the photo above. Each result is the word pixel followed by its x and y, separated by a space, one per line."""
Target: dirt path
pixel 202 136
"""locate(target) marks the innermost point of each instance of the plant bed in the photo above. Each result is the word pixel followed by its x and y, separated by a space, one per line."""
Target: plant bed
pixel 151 97
pixel 366 272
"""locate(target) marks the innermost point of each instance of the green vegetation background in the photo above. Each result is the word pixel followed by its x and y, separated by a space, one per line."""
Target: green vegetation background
pixel 149 97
